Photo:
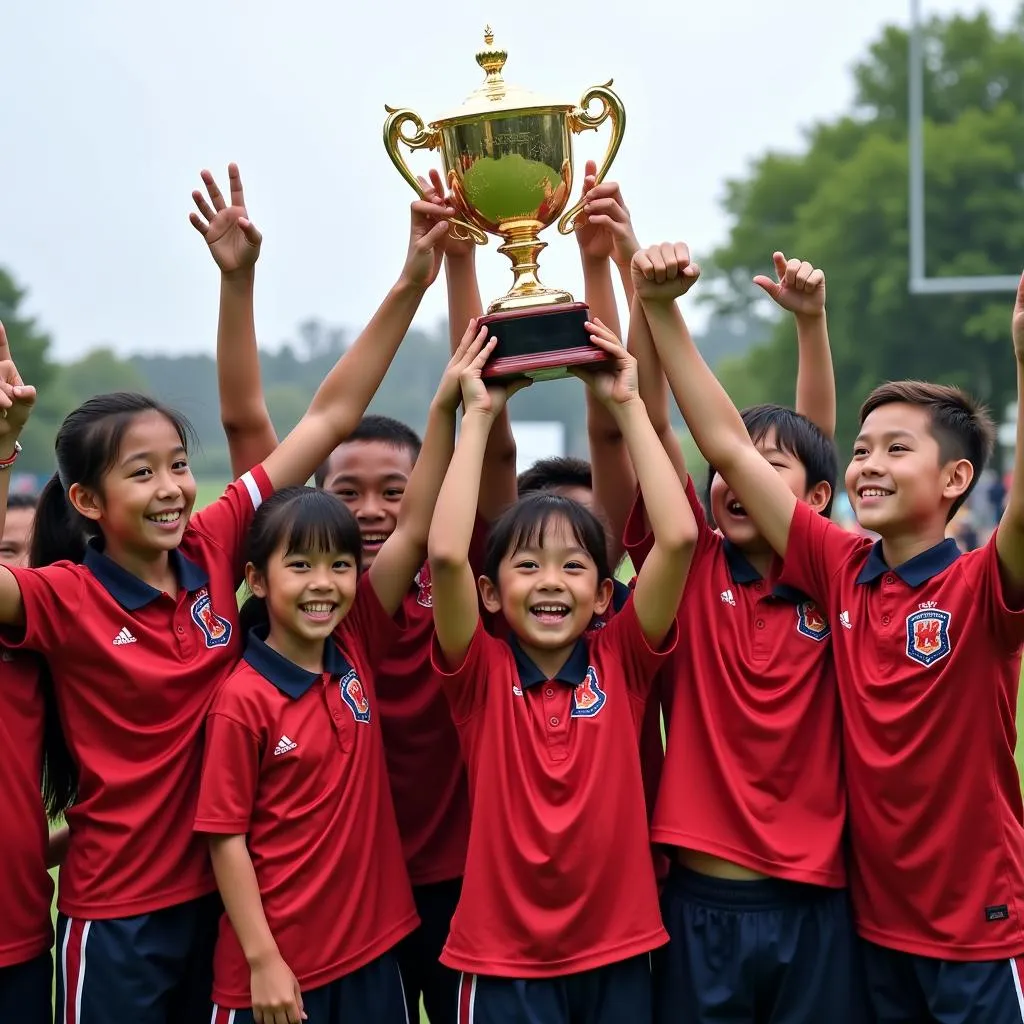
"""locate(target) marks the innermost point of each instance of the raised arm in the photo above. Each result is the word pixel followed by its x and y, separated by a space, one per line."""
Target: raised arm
pixel 800 289
pixel 661 274
pixel 346 391
pixel 659 585
pixel 402 555
pixel 235 247
pixel 1010 533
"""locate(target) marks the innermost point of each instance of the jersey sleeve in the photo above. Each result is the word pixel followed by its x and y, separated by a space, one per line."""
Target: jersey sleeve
pixel 816 549
pixel 52 599
pixel 622 642
pixel 226 522
pixel 465 685
pixel 231 770
pixel 1007 620
pixel 638 539
pixel 369 625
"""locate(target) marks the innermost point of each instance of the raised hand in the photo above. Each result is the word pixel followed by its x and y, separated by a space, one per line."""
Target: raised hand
pixel 434 190
pixel 474 349
pixel 616 383
pixel 427 234
pixel 16 397
pixel 799 287
pixel 233 239
pixel 663 272
pixel 1018 323
pixel 479 397
pixel 603 227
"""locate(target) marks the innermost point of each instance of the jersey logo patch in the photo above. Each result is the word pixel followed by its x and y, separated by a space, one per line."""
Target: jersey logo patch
pixel 928 636
pixel 810 622
pixel 353 694
pixel 424 592
pixel 217 630
pixel 588 698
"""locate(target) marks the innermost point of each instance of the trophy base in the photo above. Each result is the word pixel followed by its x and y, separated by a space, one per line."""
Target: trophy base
pixel 541 343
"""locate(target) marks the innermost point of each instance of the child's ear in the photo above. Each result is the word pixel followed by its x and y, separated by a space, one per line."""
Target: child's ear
pixel 819 495
pixel 489 594
pixel 605 590
pixel 255 580
pixel 959 475
pixel 85 502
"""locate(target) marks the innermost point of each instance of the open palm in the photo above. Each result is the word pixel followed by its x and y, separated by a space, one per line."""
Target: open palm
pixel 233 239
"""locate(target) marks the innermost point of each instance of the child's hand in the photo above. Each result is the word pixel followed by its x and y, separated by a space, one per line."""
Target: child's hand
pixel 1018 323
pixel 426 241
pixel 233 239
pixel 800 288
pixel 454 248
pixel 275 993
pixel 603 227
pixel 617 383
pixel 474 348
pixel 480 398
pixel 16 398
pixel 663 272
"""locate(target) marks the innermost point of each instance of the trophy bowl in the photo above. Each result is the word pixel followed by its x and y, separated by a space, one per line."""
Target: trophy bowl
pixel 508 165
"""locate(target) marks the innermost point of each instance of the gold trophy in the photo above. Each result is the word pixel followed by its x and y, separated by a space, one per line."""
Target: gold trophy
pixel 508 164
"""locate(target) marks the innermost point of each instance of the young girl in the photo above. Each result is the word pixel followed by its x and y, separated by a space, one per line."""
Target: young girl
pixel 135 612
pixel 559 906
pixel 295 796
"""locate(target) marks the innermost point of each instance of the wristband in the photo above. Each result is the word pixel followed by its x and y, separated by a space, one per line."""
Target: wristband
pixel 12 458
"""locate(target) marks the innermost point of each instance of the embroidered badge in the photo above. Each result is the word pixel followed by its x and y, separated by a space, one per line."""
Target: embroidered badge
pixel 424 593
pixel 588 698
pixel 928 636
pixel 214 628
pixel 810 622
pixel 353 694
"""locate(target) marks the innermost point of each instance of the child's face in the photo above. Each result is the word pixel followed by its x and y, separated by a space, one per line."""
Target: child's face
pixel 148 494
pixel 17 536
pixel 896 479
pixel 370 477
pixel 307 593
pixel 548 593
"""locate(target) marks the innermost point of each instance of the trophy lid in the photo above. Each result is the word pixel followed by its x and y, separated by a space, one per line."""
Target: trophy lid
pixel 495 95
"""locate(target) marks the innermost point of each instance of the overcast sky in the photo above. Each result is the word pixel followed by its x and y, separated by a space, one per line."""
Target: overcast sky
pixel 111 108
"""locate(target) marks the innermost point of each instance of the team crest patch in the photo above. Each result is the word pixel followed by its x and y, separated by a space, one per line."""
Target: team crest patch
pixel 810 622
pixel 588 698
pixel 424 593
pixel 928 636
pixel 353 694
pixel 217 630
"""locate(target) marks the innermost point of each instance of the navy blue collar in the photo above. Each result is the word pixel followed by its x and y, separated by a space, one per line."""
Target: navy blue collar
pixel 128 590
pixel 914 571
pixel 573 672
pixel 288 677
pixel 743 573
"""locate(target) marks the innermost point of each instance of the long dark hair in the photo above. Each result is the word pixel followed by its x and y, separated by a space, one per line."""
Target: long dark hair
pixel 302 519
pixel 87 445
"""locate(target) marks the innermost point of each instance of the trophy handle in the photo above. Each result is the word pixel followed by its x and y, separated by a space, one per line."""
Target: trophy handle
pixel 423 139
pixel 580 120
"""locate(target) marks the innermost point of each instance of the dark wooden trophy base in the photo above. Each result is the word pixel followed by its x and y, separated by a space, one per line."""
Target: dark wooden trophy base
pixel 541 343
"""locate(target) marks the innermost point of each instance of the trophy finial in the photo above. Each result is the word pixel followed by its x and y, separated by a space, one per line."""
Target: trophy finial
pixel 492 61
pixel 488 35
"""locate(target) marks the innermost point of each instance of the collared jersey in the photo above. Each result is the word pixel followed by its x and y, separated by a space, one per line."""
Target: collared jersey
pixel 425 766
pixel 26 889
pixel 752 764
pixel 295 762
pixel 928 655
pixel 559 876
pixel 134 672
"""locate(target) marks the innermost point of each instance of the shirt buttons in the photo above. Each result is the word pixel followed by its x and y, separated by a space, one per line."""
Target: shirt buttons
pixel 549 692
pixel 553 720
pixel 181 629
pixel 759 623
pixel 759 587
pixel 890 579
pixel 886 620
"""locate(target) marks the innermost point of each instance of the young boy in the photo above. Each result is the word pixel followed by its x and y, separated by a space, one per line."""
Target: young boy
pixel 751 801
pixel 927 646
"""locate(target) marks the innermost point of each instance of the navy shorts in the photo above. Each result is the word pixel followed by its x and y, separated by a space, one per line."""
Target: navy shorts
pixel 370 995
pixel 765 950
pixel 906 989
pixel 149 969
pixel 423 975
pixel 26 991
pixel 616 994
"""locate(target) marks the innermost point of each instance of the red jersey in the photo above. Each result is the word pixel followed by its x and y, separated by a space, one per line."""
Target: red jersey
pixel 928 657
pixel 295 762
pixel 135 671
pixel 26 889
pixel 425 766
pixel 752 766
pixel 559 877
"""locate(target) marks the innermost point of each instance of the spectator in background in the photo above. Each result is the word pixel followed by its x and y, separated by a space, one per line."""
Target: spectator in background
pixel 21 512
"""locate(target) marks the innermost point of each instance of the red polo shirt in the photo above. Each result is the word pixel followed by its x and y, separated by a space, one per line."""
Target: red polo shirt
pixel 425 766
pixel 559 876
pixel 295 762
pixel 752 766
pixel 26 888
pixel 135 671
pixel 928 657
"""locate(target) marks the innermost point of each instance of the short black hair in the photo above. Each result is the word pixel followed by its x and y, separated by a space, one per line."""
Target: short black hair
pixel 797 436
pixel 22 500
pixel 376 428
pixel 550 474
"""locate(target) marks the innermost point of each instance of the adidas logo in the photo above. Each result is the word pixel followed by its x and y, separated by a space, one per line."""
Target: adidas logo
pixel 284 745
pixel 728 598
pixel 124 637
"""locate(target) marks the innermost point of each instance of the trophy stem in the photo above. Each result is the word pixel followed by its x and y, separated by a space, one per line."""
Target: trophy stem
pixel 522 247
